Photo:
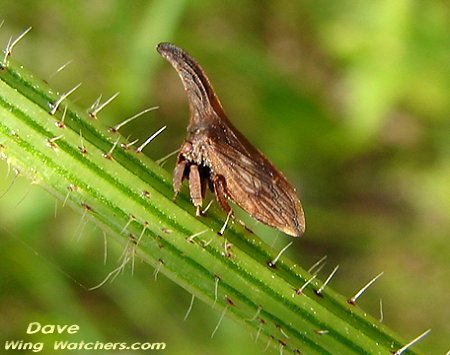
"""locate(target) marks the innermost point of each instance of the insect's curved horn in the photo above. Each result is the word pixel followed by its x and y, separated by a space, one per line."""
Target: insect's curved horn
pixel 200 93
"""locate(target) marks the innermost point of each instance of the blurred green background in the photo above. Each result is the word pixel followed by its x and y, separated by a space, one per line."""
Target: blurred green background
pixel 351 100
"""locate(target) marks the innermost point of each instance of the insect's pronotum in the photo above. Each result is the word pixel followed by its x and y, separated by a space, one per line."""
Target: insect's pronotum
pixel 216 154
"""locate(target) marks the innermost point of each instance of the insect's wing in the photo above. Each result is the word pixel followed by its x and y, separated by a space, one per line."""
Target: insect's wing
pixel 254 183
pixel 250 179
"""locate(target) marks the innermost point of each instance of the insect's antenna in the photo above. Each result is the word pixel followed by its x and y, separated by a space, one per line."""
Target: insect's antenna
pixel 200 93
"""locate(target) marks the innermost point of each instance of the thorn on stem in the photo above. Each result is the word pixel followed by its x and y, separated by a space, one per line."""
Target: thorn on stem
pixel 190 308
pixel 220 321
pixel 327 281
pixel 127 146
pixel 157 269
pixel 353 299
pixel 97 107
pixel 55 105
pixel 317 265
pixel 272 263
pixel 190 239
pixel 128 120
pixel 301 289
pixel 108 155
pixel 9 47
pixel 60 124
pixel 149 139
pixel 61 68
pixel 51 142
pixel 222 230
pixel 411 343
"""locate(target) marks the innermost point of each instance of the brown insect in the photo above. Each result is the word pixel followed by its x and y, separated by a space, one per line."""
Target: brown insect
pixel 217 154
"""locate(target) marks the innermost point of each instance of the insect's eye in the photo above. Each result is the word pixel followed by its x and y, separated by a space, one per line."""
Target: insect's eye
pixel 187 147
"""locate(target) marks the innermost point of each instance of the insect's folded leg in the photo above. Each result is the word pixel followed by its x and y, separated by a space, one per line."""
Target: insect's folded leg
pixel 220 186
pixel 178 177
pixel 195 187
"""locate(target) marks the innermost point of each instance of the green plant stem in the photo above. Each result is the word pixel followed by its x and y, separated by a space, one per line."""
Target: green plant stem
pixel 130 196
